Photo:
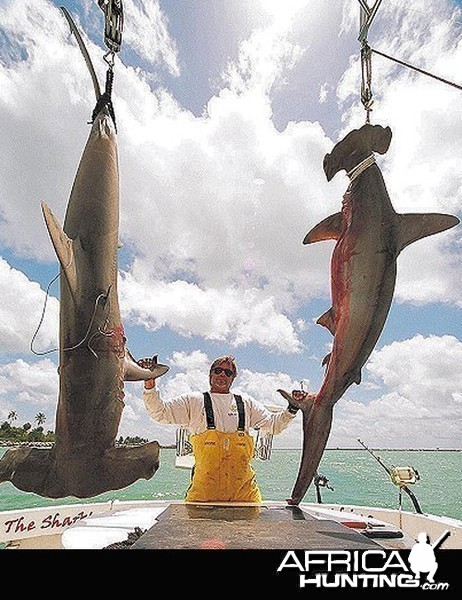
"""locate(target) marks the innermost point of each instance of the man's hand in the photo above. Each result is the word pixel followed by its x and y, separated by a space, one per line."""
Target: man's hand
pixel 298 399
pixel 147 363
pixel 302 397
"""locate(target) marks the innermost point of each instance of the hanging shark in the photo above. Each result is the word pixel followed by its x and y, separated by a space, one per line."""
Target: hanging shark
pixel 369 237
pixel 94 361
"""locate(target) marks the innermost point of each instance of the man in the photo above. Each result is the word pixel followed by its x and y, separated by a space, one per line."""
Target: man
pixel 219 424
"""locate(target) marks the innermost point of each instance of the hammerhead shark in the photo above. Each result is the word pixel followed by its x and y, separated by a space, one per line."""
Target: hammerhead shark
pixel 369 237
pixel 94 361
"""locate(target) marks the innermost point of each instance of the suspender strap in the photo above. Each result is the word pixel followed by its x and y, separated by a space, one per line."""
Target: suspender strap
pixel 209 411
pixel 240 412
pixel 211 418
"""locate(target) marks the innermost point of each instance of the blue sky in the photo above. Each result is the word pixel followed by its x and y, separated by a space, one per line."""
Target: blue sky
pixel 225 110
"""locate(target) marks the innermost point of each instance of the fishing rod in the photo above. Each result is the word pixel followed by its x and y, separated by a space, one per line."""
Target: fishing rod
pixel 400 476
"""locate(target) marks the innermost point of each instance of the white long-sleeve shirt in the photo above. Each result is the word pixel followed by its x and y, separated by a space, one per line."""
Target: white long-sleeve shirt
pixel 188 410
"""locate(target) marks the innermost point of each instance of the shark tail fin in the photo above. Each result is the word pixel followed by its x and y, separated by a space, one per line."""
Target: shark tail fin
pixel 133 371
pixel 63 246
pixel 415 226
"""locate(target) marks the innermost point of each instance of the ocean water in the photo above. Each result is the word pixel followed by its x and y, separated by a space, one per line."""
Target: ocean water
pixel 355 476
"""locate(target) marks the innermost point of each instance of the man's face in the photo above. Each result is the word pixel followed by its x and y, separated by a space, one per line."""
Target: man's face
pixel 221 378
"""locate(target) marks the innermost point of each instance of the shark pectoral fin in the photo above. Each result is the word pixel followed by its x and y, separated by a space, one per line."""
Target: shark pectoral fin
pixel 327 320
pixel 63 245
pixel 133 371
pixel 328 229
pixel 415 226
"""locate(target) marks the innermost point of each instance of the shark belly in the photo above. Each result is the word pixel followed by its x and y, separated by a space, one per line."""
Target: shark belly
pixel 363 280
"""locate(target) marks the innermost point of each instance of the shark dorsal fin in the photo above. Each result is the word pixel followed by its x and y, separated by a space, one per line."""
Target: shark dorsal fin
pixel 63 245
pixel 327 229
pixel 415 226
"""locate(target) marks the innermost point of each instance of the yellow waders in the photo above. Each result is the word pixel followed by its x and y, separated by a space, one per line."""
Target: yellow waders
pixel 223 471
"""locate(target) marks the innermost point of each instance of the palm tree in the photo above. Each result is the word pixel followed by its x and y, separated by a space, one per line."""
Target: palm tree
pixel 12 416
pixel 40 418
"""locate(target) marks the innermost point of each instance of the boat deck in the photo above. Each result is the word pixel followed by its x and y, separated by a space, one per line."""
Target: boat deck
pixel 193 526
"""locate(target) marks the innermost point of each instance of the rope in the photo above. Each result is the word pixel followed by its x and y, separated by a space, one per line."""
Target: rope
pixel 41 320
pixel 405 64
pixel 84 339
pixel 366 80
pixel 355 172
pixel 105 100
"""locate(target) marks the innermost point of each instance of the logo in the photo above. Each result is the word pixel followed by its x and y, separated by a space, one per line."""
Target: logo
pixel 422 558
pixel 232 409
pixel 347 569
pixel 422 561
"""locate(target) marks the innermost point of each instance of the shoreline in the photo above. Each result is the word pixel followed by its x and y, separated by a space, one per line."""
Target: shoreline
pixel 7 444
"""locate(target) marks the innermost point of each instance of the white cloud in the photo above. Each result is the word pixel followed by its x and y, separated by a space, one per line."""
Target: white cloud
pixel 237 316
pixel 422 407
pixel 191 360
pixel 263 59
pixel 146 31
pixel 21 306
pixel 214 236
pixel 323 93
pixel 29 388
pixel 263 386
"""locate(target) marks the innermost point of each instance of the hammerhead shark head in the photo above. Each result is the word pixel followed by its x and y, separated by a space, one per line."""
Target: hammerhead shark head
pixel 369 236
pixel 94 361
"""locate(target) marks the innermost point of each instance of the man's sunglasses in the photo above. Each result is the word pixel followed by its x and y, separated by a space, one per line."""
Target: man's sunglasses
pixel 218 370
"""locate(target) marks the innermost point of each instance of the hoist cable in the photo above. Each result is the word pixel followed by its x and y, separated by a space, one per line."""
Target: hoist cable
pixel 405 64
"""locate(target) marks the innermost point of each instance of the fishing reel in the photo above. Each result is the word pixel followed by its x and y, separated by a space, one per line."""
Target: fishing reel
pixel 321 481
pixel 404 476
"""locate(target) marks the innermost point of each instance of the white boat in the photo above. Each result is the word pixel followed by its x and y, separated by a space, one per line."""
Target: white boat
pixel 176 524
